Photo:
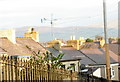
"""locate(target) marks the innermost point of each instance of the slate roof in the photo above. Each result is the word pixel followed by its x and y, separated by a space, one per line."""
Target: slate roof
pixel 19 48
pixel 92 45
pixel 114 47
pixel 98 54
pixel 70 53
pixel 89 54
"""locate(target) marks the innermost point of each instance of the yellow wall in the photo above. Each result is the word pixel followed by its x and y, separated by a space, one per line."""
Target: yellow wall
pixel 55 44
pixel 74 43
pixel 33 35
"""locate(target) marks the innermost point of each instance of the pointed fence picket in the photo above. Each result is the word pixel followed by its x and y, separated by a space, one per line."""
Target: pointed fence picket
pixel 16 69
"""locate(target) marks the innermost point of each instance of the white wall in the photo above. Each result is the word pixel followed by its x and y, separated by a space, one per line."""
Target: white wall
pixel 77 64
pixel 97 72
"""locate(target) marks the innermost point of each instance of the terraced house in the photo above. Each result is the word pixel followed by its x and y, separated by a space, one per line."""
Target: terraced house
pixel 92 56
pixel 20 46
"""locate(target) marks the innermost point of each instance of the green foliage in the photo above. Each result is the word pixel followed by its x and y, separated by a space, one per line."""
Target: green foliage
pixel 89 40
pixel 47 58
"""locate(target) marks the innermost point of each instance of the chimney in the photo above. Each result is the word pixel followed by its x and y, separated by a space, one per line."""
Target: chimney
pixel 31 33
pixel 72 37
pixel 10 34
pixel 55 44
pixel 102 42
pixel 78 45
pixel 74 43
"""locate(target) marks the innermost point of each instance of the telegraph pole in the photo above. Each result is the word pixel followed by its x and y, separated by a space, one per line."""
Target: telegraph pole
pixel 106 42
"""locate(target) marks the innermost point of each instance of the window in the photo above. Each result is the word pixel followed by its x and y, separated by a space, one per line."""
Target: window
pixel 112 72
pixel 73 66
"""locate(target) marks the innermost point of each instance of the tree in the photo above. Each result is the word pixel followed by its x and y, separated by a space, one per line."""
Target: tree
pixel 47 58
pixel 89 40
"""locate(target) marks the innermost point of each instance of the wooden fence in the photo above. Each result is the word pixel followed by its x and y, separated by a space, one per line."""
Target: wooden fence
pixel 16 69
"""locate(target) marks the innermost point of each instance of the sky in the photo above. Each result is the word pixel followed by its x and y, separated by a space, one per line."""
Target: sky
pixel 19 13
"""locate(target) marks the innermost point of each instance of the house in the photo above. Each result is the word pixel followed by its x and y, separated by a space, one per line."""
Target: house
pixel 115 48
pixel 20 46
pixel 92 55
pixel 69 59
pixel 97 54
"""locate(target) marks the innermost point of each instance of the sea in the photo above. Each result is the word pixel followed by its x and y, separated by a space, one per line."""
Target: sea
pixel 65 33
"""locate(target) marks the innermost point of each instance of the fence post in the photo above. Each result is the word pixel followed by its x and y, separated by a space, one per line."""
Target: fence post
pixel 9 68
pixel 12 69
pixel 15 62
pixel 26 67
pixel 29 72
pixel 5 68
pixel 21 71
pixel 18 68
pixel 48 66
pixel 24 71
pixel 0 68
pixel 71 75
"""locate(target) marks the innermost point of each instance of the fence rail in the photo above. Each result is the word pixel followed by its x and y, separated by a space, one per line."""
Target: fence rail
pixel 14 69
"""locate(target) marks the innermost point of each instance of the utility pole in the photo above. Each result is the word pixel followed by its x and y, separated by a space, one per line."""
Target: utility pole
pixel 106 42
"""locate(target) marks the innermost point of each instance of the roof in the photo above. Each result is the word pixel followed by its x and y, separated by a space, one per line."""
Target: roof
pixel 92 45
pixel 114 47
pixel 2 51
pixel 98 54
pixel 21 46
pixel 70 54
pixel 29 42
pixel 90 54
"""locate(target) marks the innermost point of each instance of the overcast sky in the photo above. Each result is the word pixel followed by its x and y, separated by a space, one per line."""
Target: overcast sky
pixel 19 13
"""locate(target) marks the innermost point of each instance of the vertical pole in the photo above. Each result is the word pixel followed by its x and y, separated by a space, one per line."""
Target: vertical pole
pixel 106 42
